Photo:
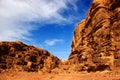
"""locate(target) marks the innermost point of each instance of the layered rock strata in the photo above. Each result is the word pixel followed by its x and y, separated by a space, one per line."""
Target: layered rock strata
pixel 96 40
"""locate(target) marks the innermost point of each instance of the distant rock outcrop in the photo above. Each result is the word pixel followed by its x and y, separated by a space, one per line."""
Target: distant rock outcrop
pixel 96 40
pixel 17 56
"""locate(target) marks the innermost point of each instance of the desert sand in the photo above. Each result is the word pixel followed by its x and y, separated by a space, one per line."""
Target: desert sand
pixel 62 76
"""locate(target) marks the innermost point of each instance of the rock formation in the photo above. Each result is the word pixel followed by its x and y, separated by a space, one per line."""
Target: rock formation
pixel 17 56
pixel 96 40
pixel 95 45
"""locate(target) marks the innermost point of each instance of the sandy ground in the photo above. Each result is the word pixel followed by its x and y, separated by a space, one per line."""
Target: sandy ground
pixel 77 76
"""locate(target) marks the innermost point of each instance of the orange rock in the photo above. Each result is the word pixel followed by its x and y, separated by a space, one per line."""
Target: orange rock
pixel 17 56
pixel 96 40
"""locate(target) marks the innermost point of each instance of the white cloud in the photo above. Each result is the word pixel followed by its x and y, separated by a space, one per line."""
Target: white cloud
pixel 16 16
pixel 52 42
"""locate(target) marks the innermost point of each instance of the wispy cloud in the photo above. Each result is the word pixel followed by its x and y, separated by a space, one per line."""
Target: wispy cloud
pixel 16 16
pixel 52 42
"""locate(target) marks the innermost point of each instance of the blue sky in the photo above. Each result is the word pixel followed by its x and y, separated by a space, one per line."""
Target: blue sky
pixel 47 24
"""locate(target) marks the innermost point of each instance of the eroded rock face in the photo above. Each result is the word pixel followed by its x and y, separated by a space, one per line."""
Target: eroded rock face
pixel 21 57
pixel 96 40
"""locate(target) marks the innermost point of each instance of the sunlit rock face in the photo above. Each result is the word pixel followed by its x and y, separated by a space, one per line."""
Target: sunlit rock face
pixel 96 41
pixel 17 56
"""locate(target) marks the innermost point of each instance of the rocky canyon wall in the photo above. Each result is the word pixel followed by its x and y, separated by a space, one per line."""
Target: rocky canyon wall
pixel 96 41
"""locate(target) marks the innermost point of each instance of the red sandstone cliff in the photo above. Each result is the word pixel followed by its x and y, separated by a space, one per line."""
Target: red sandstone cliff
pixel 96 40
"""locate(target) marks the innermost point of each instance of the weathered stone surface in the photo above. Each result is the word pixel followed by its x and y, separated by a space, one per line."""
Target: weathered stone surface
pixel 96 40
pixel 17 56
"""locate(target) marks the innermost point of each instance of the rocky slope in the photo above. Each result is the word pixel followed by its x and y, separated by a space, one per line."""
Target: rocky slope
pixel 96 40
pixel 17 56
